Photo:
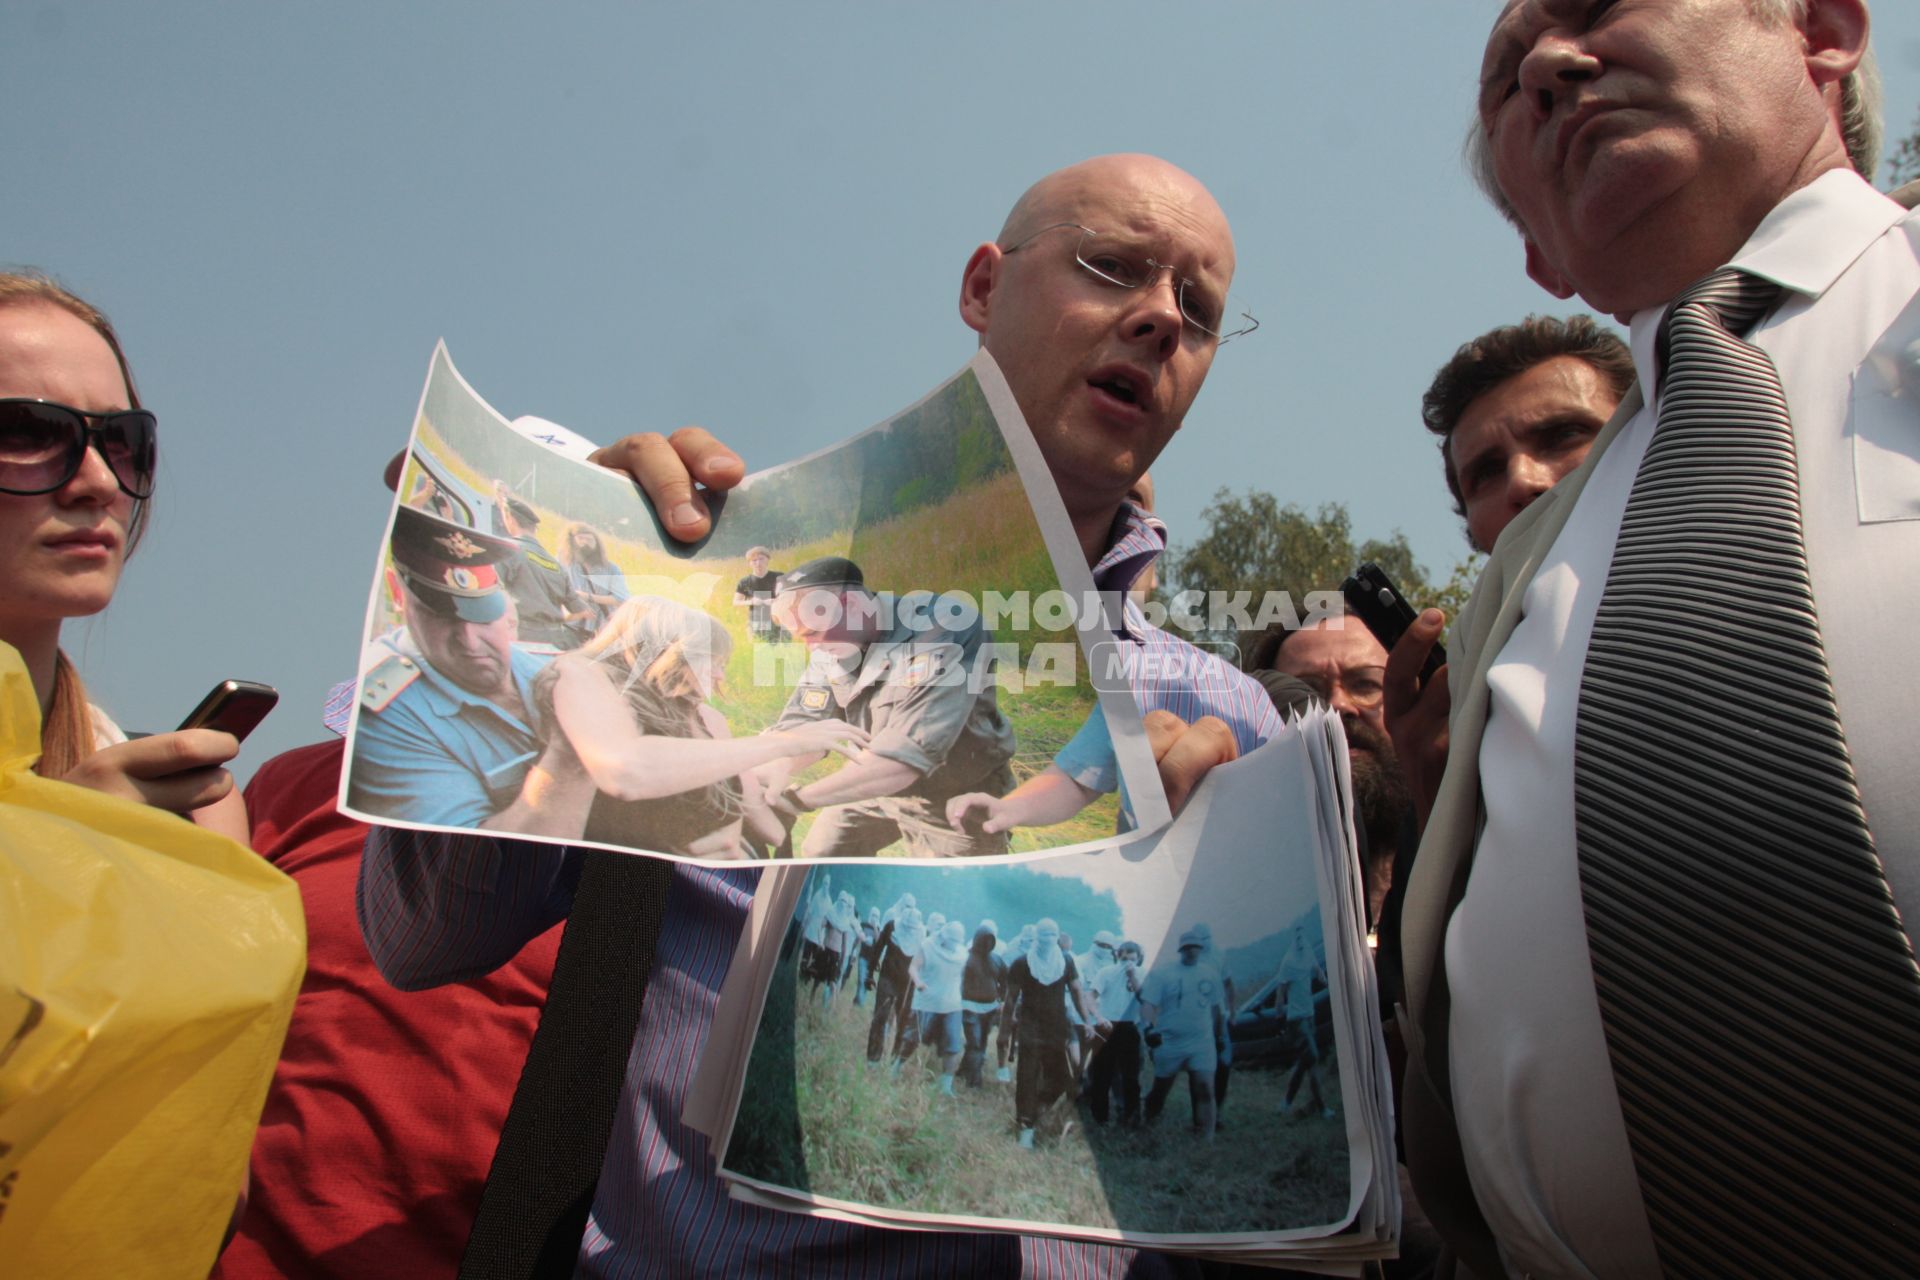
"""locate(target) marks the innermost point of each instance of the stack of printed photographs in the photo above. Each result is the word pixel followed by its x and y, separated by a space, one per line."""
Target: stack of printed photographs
pixel 989 982
pixel 1175 1044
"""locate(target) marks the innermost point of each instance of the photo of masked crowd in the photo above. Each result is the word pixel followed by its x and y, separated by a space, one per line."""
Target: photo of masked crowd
pixel 823 677
pixel 1052 1042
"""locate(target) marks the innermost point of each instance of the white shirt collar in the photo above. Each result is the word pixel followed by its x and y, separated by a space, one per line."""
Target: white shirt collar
pixel 1804 245
pixel 1816 233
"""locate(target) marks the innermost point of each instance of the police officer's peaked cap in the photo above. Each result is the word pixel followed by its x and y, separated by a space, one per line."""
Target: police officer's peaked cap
pixel 526 515
pixel 450 569
pixel 1192 938
pixel 827 571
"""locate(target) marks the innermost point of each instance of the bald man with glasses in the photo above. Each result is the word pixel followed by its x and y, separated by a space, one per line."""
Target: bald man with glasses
pixel 1104 342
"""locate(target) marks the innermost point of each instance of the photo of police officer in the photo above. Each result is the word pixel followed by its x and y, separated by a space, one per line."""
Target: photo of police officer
pixel 904 668
pixel 676 685
pixel 542 592
pixel 447 732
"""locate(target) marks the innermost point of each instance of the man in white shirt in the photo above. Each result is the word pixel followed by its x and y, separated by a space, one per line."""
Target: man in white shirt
pixel 1638 147
pixel 1185 1005
pixel 1116 1063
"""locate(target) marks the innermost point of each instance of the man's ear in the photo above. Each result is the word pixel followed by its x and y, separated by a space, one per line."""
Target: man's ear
pixel 1544 273
pixel 976 285
pixel 1836 38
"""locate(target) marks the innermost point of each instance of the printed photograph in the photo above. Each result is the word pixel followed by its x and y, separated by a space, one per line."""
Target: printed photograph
pixel 872 654
pixel 1077 1040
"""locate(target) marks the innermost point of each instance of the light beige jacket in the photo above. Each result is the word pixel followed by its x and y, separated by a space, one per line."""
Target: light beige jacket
pixel 1446 856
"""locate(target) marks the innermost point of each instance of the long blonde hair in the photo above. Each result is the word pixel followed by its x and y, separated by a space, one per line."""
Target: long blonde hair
pixel 660 651
pixel 66 731
pixel 665 649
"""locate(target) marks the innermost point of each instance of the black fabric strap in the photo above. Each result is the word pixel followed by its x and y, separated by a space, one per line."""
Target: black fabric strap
pixel 540 1188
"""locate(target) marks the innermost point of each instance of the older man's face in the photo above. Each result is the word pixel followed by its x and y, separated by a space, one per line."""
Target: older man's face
pixel 477 656
pixel 1343 663
pixel 1642 138
pixel 1104 375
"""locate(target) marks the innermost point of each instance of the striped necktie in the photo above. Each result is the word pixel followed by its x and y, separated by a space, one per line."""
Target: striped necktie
pixel 1759 996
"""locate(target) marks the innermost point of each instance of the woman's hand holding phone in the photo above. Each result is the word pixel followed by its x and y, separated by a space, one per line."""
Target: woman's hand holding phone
pixel 179 771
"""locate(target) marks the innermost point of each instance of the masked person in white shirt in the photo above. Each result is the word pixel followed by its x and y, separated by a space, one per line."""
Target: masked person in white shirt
pixel 936 974
pixel 1039 986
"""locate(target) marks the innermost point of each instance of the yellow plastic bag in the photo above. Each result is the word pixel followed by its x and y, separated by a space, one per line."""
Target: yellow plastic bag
pixel 147 972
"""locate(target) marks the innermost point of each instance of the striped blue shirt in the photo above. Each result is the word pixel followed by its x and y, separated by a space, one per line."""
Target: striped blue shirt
pixel 441 908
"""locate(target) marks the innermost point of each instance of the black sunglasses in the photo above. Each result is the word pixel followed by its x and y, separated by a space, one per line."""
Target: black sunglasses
pixel 42 445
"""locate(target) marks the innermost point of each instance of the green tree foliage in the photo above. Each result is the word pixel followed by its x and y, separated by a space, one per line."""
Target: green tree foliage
pixel 1459 587
pixel 1253 544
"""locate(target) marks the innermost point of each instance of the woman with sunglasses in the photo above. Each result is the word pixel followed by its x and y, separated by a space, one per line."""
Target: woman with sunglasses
pixel 76 470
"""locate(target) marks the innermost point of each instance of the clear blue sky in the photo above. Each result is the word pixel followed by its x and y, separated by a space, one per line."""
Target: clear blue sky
pixel 749 216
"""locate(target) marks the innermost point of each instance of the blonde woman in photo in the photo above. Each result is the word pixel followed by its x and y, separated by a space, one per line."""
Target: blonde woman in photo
pixel 633 706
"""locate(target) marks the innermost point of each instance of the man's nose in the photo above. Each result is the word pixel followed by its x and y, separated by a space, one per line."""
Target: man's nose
pixel 1153 315
pixel 1341 701
pixel 470 637
pixel 1527 479
pixel 1556 63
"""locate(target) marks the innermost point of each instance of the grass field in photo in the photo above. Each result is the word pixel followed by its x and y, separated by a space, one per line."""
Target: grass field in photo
pixel 814 1118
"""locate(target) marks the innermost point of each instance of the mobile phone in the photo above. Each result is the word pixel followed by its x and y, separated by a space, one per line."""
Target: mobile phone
pixel 233 706
pixel 1372 597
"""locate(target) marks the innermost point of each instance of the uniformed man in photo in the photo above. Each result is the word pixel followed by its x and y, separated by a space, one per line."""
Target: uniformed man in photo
pixel 541 590
pixel 904 668
pixel 447 732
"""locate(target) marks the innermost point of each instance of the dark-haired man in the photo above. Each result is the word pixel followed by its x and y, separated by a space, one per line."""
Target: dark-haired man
pixel 1343 665
pixel 1517 408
